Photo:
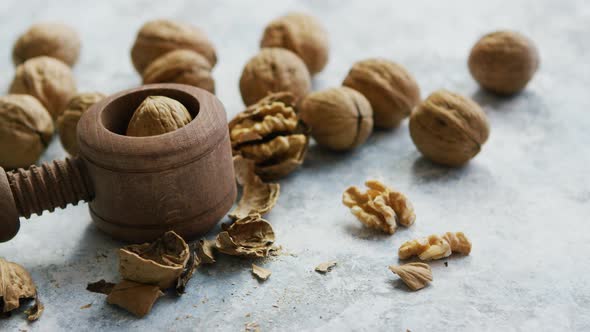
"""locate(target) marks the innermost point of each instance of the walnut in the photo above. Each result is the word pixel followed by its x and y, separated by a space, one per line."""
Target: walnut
pixel 134 297
pixel 158 115
pixel 15 284
pixel 159 263
pixel 55 40
pixel 503 61
pixel 435 246
pixel 68 121
pixel 270 133
pixel 249 237
pixel 339 118
pixel 448 128
pixel 414 275
pixel 257 196
pixel 47 79
pixel 379 207
pixel 158 37
pixel 182 67
pixel 389 87
pixel 301 34
pixel 274 70
pixel 26 130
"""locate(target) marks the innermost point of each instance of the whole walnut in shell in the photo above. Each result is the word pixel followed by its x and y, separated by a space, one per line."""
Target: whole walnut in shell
pixel 448 128
pixel 339 118
pixel 55 40
pixel 274 70
pixel 158 37
pixel 158 115
pixel 182 67
pixel 503 61
pixel 303 35
pixel 389 87
pixel 25 130
pixel 68 121
pixel 47 79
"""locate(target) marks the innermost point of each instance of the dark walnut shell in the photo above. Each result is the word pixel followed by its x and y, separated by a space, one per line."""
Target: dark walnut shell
pixel 55 40
pixel 503 62
pixel 67 123
pixel 301 34
pixel 270 133
pixel 389 87
pixel 448 128
pixel 339 118
pixel 274 70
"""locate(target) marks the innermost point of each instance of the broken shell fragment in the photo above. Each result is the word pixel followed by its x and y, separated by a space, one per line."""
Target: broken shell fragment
pixel 134 297
pixel 15 284
pixel 249 237
pixel 325 267
pixel 260 273
pixel 204 252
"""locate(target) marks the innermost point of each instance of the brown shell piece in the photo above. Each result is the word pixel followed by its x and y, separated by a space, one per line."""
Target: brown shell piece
pixel 204 252
pixel 55 40
pixel 257 196
pixel 182 67
pixel 137 298
pixel 325 267
pixel 15 284
pixel 435 246
pixel 67 122
pixel 379 207
pixel 158 115
pixel 160 263
pixel 415 275
pixel 47 79
pixel 249 237
pixel 260 273
pixel 303 35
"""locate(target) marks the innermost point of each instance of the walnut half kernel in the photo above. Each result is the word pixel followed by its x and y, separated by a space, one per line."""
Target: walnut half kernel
pixel 414 275
pixel 379 207
pixel 436 246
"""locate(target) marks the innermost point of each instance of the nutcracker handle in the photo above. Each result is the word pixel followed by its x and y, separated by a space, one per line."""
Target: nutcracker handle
pixel 41 188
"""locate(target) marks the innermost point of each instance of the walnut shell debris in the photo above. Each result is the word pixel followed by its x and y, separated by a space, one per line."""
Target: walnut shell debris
pixel 182 67
pixel 448 128
pixel 339 118
pixel 55 40
pixel 326 266
pixel 158 37
pixel 67 122
pixel 415 275
pixel 137 298
pixel 204 252
pixel 257 196
pixel 274 70
pixel 303 35
pixel 158 115
pixel 15 284
pixel 26 130
pixel 503 61
pixel 159 263
pixel 389 87
pixel 435 246
pixel 260 273
pixel 248 237
pixel 47 79
pixel 270 134
pixel 379 207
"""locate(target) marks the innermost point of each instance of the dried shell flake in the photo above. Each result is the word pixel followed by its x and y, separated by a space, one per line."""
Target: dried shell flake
pixel 325 267
pixel 205 252
pixel 415 275
pixel 134 297
pixel 250 237
pixel 435 246
pixel 260 273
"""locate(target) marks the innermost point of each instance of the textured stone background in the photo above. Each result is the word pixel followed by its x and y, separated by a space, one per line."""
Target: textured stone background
pixel 523 201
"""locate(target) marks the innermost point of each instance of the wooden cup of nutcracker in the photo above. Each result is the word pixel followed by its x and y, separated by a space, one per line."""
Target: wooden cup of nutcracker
pixel 137 187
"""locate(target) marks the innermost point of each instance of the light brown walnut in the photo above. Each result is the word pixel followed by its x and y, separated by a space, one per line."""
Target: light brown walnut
pixel 158 115
pixel 47 79
pixel 54 40
pixel 303 35
pixel 389 87
pixel 182 67
pixel 68 120
pixel 435 246
pixel 379 207
pixel 415 275
pixel 448 128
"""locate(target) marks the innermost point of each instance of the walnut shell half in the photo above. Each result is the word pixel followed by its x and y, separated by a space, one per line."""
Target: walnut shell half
pixel 15 284
pixel 249 237
pixel 55 40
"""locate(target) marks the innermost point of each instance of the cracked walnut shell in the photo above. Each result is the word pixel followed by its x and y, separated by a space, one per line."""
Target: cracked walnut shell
pixel 182 67
pixel 339 118
pixel 435 246
pixel 389 87
pixel 26 130
pixel 503 61
pixel 68 120
pixel 270 134
pixel 137 298
pixel 414 275
pixel 301 34
pixel 379 207
pixel 55 40
pixel 448 128
pixel 158 115
pixel 274 70
pixel 15 284
pixel 47 79
pixel 249 237
pixel 157 37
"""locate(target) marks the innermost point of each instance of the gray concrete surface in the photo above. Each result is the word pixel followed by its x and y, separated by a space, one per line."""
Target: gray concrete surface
pixel 524 201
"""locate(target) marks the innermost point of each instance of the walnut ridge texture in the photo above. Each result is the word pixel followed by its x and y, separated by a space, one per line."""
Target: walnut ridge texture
pixel 158 115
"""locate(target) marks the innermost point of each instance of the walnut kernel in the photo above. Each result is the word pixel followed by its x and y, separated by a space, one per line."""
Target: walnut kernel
pixel 158 115
pixel 435 246
pixel 414 275
pixel 55 40
pixel 448 128
pixel 15 284
pixel 68 120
